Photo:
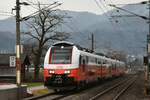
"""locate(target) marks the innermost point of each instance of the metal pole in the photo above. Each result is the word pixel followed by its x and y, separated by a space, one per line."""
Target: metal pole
pixel 148 45
pixel 149 15
pixel 92 44
pixel 18 48
pixel 18 42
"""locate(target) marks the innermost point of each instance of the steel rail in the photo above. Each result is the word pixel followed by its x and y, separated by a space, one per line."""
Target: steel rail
pixel 52 96
pixel 39 97
pixel 123 90
pixel 107 90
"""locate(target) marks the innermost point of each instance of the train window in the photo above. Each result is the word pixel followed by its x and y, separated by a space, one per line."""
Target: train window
pixel 61 55
pixel 104 62
pixel 96 60
pixel 87 59
pixel 83 65
pixel 92 60
pixel 80 61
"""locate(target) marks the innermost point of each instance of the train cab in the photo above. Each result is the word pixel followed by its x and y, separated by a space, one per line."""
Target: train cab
pixel 61 65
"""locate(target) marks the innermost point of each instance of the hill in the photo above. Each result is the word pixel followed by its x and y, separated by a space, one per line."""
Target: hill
pixel 126 34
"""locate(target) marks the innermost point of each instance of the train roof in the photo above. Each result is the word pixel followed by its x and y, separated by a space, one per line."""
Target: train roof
pixel 63 42
pixel 71 44
pixel 87 51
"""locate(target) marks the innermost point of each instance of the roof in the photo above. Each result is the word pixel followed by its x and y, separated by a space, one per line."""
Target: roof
pixel 63 42
pixel 4 58
pixel 66 43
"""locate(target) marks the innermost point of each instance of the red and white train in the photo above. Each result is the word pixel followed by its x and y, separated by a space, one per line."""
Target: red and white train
pixel 66 65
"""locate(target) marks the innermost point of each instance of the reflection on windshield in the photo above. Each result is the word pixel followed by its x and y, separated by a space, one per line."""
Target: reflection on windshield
pixel 61 55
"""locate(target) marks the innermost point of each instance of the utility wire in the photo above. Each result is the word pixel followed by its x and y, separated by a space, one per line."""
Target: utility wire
pixel 101 8
pixel 117 23
pixel 50 8
pixel 107 15
pixel 74 28
pixel 31 4
pixel 45 8
pixel 143 17
pixel 4 13
pixel 124 20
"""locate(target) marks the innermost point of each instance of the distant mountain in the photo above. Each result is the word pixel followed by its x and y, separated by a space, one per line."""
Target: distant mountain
pixel 123 33
pixel 8 25
pixel 120 33
pixel 7 41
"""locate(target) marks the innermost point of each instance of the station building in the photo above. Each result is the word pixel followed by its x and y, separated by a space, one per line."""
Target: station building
pixel 8 67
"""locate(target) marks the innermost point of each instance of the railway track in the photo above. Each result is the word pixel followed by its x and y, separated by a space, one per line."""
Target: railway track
pixel 51 96
pixel 121 87
pixel 78 95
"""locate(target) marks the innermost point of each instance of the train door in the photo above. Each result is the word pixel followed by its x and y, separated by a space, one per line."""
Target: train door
pixel 83 67
pixel 102 69
pixel 87 69
pixel 110 69
pixel 84 61
pixel 82 64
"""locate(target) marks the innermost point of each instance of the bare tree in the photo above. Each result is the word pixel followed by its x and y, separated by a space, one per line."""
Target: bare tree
pixel 42 29
pixel 119 55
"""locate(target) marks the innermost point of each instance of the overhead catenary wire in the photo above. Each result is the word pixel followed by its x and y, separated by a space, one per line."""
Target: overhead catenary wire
pixel 45 8
pixel 5 13
pixel 116 28
pixel 104 10
pixel 116 22
pixel 143 17
pixel 124 20
pixel 98 5
pixel 74 28
pixel 107 15
pixel 31 4
pixel 49 8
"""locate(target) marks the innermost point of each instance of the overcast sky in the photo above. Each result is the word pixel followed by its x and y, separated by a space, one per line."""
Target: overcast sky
pixel 74 5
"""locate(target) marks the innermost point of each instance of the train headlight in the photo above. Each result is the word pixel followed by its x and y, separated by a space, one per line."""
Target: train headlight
pixel 67 71
pixel 51 72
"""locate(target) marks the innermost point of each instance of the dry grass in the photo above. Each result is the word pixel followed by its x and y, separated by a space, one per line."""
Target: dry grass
pixel 30 76
pixel 41 91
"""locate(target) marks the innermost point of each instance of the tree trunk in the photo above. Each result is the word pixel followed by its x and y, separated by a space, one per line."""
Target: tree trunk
pixel 37 67
pixel 36 73
pixel 37 64
pixel 23 72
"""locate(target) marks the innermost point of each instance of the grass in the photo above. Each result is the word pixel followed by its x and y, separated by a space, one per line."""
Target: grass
pixel 30 77
pixel 41 91
pixel 32 84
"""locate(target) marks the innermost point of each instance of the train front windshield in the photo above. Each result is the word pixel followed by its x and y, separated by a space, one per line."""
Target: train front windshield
pixel 61 54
